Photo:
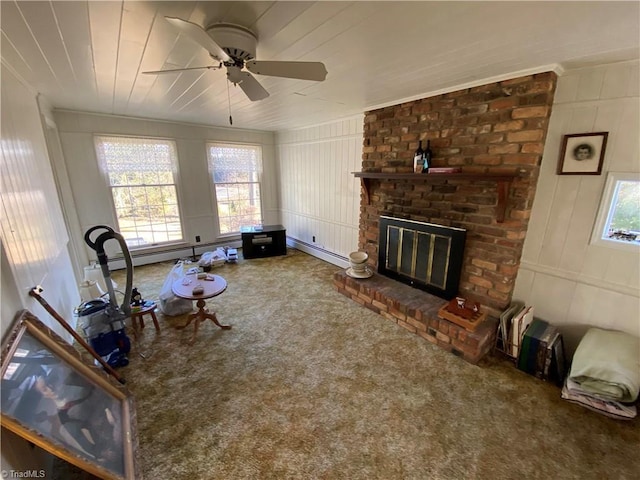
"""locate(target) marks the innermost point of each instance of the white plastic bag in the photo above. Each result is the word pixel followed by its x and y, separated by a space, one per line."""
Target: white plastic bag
pixel 213 259
pixel 170 304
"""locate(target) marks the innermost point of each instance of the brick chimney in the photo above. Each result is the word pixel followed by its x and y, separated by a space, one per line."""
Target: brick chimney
pixel 491 129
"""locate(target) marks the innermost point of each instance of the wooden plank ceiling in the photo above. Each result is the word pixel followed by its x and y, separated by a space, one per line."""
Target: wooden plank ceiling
pixel 90 55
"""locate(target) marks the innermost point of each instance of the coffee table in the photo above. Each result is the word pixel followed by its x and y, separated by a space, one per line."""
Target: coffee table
pixel 183 288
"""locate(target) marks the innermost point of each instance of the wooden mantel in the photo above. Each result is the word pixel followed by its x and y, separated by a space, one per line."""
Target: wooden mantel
pixel 503 181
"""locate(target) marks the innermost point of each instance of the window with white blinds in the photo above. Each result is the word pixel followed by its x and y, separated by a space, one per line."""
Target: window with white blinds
pixel 141 175
pixel 236 171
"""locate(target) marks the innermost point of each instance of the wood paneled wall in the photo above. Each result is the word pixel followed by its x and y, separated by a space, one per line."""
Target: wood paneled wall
pixel 319 196
pixel 571 283
pixel 34 237
pixel 32 226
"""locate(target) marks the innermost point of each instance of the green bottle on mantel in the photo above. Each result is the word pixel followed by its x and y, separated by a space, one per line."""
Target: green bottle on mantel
pixel 417 158
pixel 426 157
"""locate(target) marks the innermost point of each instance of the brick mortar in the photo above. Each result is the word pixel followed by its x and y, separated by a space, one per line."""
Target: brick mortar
pixel 392 300
pixel 495 128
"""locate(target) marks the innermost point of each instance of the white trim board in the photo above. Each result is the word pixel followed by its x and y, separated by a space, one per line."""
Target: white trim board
pixel 580 278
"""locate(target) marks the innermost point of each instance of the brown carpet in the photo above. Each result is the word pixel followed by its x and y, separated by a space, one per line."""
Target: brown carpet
pixel 310 385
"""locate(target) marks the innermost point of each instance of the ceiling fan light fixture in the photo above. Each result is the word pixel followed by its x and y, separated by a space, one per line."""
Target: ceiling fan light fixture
pixel 234 46
pixel 237 41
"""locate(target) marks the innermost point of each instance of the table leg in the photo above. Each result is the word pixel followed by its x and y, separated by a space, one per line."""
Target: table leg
pixel 155 320
pixel 189 320
pixel 195 329
pixel 201 315
pixel 134 325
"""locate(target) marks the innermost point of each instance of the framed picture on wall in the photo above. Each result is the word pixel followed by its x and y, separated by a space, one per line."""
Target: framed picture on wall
pixel 52 398
pixel 582 153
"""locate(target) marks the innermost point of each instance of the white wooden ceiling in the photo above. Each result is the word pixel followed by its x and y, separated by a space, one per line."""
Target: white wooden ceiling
pixel 89 55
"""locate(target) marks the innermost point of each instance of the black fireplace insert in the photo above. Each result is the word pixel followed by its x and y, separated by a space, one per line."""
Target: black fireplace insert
pixel 424 255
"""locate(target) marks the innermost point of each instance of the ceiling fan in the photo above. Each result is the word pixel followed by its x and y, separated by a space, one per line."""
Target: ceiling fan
pixel 234 47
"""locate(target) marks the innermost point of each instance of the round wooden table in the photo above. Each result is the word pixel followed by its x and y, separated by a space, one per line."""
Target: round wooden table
pixel 183 288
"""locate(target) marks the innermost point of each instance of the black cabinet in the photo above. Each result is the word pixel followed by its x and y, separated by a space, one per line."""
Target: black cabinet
pixel 265 241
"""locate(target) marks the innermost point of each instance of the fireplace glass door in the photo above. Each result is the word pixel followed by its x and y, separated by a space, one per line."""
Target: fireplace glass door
pixel 423 255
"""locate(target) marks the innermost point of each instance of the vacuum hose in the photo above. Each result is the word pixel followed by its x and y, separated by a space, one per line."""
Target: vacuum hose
pixel 103 260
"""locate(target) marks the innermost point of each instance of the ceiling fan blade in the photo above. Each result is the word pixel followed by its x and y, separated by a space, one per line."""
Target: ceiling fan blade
pixel 198 35
pixel 301 70
pixel 177 70
pixel 249 85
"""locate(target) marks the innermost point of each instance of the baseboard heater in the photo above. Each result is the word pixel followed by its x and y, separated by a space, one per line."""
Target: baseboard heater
pixel 145 258
pixel 321 253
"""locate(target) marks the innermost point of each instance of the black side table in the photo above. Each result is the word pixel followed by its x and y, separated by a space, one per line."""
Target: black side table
pixel 265 241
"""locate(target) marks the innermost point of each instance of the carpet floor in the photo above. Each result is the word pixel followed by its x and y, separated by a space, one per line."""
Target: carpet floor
pixel 310 385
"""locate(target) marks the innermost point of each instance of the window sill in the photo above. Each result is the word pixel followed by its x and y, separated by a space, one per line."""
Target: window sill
pixel 229 236
pixel 146 250
pixel 630 247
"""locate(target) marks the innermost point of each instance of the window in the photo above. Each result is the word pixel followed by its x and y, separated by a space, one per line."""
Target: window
pixel 236 172
pixel 618 222
pixel 140 173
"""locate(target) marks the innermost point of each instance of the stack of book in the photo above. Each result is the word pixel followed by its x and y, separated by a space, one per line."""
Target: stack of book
pixel 514 321
pixel 542 352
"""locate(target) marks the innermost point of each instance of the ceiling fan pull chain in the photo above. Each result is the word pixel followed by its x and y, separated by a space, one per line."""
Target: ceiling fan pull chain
pixel 229 100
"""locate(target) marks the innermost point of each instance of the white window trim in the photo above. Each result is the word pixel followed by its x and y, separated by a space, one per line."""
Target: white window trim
pixel 210 169
pixel 149 248
pixel 604 213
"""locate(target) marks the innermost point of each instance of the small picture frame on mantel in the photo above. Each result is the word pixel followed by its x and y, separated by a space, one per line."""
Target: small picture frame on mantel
pixel 582 153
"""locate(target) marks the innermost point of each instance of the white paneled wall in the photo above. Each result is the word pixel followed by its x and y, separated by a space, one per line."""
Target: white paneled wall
pixel 319 196
pixel 34 237
pixel 32 226
pixel 571 283
pixel 91 194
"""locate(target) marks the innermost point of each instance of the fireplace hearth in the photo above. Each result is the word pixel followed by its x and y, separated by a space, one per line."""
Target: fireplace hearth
pixel 419 264
pixel 417 311
pixel 422 255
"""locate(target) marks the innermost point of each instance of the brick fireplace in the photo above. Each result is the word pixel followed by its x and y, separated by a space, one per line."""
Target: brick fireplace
pixel 485 131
